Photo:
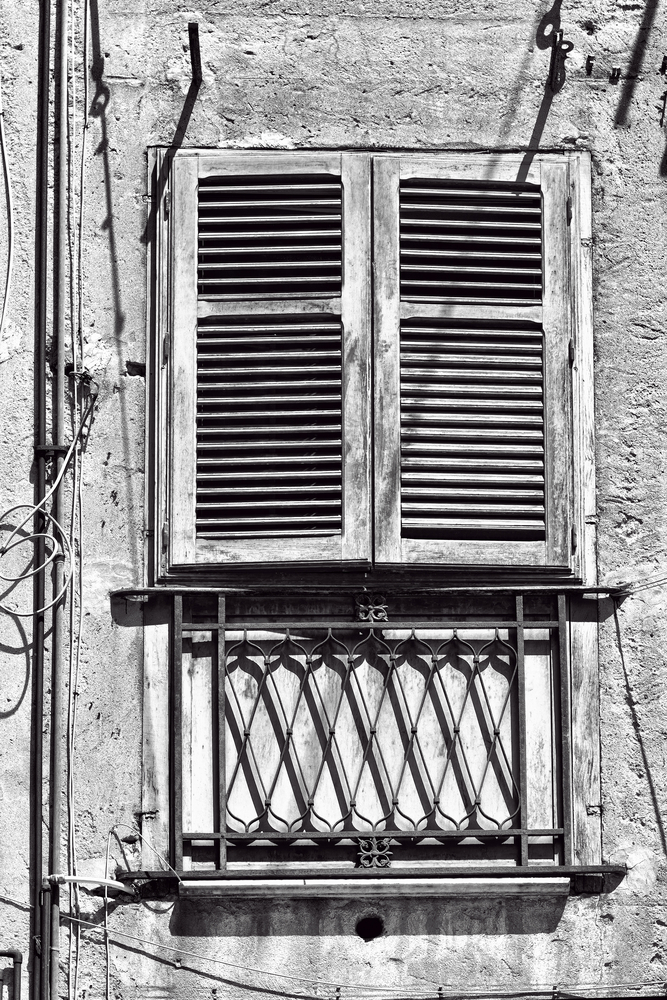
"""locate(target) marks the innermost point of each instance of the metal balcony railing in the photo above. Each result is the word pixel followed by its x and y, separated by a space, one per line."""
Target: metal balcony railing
pixel 370 743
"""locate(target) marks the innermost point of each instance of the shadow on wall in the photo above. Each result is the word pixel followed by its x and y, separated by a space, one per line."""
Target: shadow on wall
pixel 20 678
pixel 328 917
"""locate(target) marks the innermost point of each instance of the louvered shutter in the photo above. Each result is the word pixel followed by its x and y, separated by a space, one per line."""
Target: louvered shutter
pixel 473 449
pixel 269 419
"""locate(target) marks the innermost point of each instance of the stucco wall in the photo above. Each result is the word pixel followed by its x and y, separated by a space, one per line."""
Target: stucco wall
pixel 297 75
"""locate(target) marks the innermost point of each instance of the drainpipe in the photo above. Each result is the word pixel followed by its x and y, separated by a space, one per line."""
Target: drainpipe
pixel 57 713
pixel 39 590
pixel 17 958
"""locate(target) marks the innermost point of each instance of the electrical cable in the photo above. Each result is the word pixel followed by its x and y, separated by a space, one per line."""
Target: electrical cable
pixel 107 947
pixel 648 583
pixel 144 840
pixel 10 213
pixel 375 992
pixel 77 600
pixel 61 547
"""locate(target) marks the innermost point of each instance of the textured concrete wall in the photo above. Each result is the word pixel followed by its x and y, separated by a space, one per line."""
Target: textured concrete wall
pixel 434 74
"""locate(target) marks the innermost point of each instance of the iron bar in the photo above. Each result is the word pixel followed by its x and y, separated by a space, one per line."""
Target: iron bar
pixel 426 871
pixel 177 732
pixel 523 765
pixel 432 834
pixel 219 720
pixel 566 749
pixel 246 625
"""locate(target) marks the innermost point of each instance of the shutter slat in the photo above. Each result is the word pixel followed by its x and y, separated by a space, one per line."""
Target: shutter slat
pixel 269 430
pixel 482 527
pixel 453 492
pixel 440 356
pixel 500 463
pixel 474 508
pixel 474 224
pixel 458 374
pixel 315 385
pixel 411 432
pixel 275 265
pixel 270 234
pixel 205 475
pixel 480 420
pixel 269 435
pixel 205 462
pixel 220 415
pixel 504 255
pixel 475 191
pixel 435 478
pixel 232 491
pixel 534 240
pixel 234 356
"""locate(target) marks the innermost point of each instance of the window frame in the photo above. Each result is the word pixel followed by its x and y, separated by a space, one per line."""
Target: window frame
pixel 570 551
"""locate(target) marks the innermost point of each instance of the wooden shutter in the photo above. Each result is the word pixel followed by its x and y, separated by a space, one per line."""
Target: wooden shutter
pixel 473 457
pixel 270 352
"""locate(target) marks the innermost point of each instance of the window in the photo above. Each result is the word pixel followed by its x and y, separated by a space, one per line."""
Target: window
pixel 375 369
pixel 373 360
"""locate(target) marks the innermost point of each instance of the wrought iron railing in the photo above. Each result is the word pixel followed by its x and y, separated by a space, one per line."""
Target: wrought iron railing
pixel 370 743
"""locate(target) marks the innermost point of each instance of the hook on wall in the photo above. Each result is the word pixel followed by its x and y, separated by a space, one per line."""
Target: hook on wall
pixel 559 53
pixel 195 52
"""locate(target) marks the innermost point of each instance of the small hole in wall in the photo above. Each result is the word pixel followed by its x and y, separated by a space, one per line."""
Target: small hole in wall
pixel 369 928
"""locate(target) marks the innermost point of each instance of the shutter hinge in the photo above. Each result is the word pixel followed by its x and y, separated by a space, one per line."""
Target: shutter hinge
pixel 165 535
pixel 569 211
pixel 570 351
pixel 575 538
pixel 166 204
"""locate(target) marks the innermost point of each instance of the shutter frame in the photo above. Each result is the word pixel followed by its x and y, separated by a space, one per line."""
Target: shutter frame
pixel 552 175
pixel 187 549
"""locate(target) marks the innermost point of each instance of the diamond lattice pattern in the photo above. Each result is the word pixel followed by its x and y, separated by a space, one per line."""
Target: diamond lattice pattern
pixel 385 730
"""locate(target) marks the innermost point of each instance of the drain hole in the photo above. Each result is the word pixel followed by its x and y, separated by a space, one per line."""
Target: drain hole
pixel 369 927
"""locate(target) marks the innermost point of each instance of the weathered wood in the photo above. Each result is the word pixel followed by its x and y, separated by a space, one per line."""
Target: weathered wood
pixel 249 307
pixel 224 164
pixel 462 310
pixel 558 443
pixel 356 317
pixel 155 778
pixel 585 732
pixel 507 168
pixel 387 424
pixel 479 554
pixel 182 456
pixel 197 732
pixel 583 380
pixel 356 888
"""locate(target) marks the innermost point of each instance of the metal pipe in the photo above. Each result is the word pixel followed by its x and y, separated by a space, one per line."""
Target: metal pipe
pixel 58 406
pixel 17 959
pixel 45 911
pixel 39 589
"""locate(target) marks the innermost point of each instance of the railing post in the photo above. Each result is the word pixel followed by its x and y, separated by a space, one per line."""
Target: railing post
pixel 177 733
pixel 523 764
pixel 222 790
pixel 565 725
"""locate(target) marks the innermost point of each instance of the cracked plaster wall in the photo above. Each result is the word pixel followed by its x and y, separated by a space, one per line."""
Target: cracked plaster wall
pixel 303 75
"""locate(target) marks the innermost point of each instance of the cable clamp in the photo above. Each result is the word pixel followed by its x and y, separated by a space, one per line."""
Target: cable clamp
pixel 51 449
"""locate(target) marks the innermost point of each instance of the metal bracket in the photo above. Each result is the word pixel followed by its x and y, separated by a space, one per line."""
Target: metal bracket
pixel 195 52
pixel 51 449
